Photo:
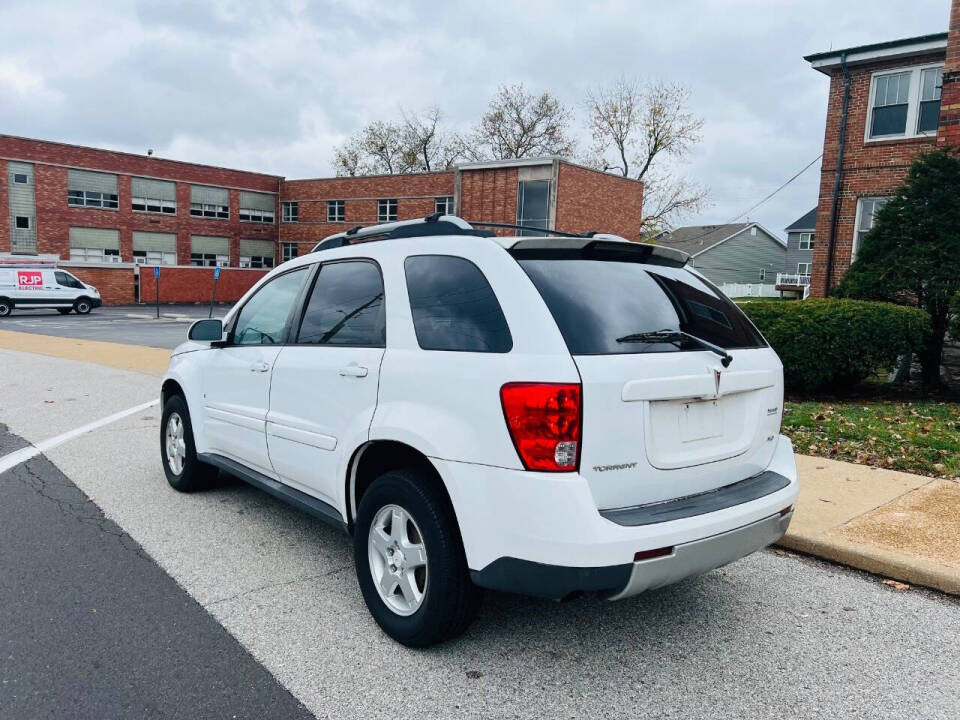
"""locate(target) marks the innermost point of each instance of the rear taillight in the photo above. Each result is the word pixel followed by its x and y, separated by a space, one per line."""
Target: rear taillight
pixel 544 422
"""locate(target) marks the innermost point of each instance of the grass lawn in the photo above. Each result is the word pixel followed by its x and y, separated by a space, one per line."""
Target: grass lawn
pixel 920 436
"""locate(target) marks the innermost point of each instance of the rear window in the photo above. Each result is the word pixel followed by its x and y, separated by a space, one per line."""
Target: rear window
pixel 596 302
pixel 454 307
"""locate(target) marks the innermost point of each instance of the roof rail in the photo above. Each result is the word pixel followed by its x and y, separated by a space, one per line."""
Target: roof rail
pixel 439 224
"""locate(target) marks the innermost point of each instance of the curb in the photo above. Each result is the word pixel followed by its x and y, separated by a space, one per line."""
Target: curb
pixel 907 568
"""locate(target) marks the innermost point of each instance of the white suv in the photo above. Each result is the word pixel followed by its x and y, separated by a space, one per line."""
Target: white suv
pixel 544 415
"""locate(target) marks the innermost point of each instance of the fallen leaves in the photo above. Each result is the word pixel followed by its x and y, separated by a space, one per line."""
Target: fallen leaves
pixel 897 585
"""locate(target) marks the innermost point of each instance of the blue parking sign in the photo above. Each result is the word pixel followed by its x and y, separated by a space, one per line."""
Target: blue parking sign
pixel 216 273
pixel 156 271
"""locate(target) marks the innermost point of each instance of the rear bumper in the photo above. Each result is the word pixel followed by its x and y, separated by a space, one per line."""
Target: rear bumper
pixel 541 533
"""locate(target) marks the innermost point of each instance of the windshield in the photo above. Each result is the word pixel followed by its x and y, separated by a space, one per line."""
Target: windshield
pixel 596 302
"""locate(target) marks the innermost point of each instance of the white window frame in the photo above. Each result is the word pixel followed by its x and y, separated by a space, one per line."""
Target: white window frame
pixel 855 245
pixel 913 103
pixel 447 204
pixel 763 274
pixel 384 206
pixel 167 207
pixel 106 201
pixel 805 241
pixel 94 255
pixel 209 260
pixel 209 211
pixel 339 208
pixel 154 257
pixel 284 247
pixel 257 216
pixel 289 211
pixel 257 262
pixel 803 268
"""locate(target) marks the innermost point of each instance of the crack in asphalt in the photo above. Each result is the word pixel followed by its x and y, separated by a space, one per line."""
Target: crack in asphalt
pixel 272 585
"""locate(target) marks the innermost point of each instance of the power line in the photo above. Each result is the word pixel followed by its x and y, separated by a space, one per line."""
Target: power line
pixel 754 207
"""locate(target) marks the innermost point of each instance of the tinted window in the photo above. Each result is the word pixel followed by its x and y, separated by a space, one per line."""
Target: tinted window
pixel 454 307
pixel 595 302
pixel 65 280
pixel 263 319
pixel 345 307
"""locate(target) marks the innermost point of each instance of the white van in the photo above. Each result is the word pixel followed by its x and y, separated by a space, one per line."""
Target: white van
pixel 44 286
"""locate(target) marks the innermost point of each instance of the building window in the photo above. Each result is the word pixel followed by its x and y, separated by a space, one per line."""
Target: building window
pixel 88 198
pixel 387 210
pixel 94 255
pixel 867 209
pixel 209 259
pixel 218 212
pixel 290 212
pixel 803 268
pixel 256 261
pixel 154 257
pixel 22 222
pixel 153 205
pixel 256 215
pixel 20 178
pixel 533 205
pixel 763 274
pixel 905 103
pixel 444 205
pixel 336 211
pixel 931 81
pixel 288 251
pixel 806 241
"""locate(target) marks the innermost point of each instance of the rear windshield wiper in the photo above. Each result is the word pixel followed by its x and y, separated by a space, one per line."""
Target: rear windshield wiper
pixel 675 337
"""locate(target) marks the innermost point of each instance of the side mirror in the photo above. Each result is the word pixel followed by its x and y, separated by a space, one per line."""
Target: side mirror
pixel 206 330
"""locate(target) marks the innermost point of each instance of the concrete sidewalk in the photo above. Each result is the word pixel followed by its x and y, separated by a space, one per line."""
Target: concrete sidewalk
pixel 895 524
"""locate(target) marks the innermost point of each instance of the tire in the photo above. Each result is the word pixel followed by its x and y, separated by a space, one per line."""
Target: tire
pixel 448 599
pixel 189 474
pixel 82 306
pixel 6 307
pixel 64 311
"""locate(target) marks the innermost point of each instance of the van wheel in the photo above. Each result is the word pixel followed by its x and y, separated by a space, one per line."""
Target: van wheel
pixel 410 561
pixel 184 471
pixel 82 306
pixel 64 311
pixel 6 307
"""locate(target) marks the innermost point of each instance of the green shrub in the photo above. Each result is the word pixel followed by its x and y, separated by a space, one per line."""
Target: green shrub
pixel 833 344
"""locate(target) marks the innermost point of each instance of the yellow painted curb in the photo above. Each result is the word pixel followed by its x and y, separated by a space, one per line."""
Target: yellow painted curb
pixel 151 361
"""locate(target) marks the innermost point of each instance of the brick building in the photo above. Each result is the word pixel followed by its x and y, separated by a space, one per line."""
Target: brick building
pixel 885 106
pixel 105 214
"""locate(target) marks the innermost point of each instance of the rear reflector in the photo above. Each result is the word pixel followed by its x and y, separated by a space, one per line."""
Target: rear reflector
pixel 650 554
pixel 786 510
pixel 544 424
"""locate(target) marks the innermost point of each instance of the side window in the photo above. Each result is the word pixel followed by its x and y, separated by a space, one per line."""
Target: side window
pixel 263 319
pixel 345 307
pixel 454 307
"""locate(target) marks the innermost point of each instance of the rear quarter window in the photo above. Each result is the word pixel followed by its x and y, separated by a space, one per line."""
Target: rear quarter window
pixel 454 307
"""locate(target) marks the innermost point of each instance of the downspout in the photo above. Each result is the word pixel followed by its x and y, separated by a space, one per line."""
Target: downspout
pixel 838 174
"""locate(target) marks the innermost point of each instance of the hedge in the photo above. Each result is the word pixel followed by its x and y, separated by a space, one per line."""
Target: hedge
pixel 833 344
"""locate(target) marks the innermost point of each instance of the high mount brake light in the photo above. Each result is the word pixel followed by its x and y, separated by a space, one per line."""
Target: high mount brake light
pixel 544 422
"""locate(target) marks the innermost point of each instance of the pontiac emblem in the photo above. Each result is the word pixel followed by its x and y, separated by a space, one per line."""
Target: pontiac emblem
pixel 716 381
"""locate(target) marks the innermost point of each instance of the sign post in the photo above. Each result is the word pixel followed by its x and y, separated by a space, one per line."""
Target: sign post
pixel 156 281
pixel 216 280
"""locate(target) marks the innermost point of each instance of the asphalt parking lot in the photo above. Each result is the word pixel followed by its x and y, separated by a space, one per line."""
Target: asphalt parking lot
pixel 130 324
pixel 773 635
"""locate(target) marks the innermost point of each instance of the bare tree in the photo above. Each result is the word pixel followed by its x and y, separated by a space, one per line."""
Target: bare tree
pixel 519 124
pixel 636 127
pixel 418 143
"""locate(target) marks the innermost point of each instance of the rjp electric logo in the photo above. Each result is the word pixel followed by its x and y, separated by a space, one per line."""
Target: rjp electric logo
pixel 30 279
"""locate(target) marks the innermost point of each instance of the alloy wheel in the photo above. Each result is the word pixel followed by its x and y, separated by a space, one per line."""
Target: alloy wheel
pixel 176 446
pixel 398 559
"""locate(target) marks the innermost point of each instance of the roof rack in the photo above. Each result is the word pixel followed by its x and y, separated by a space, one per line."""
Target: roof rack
pixel 439 224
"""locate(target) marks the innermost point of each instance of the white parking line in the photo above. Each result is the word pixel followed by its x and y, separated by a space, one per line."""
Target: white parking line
pixel 18 456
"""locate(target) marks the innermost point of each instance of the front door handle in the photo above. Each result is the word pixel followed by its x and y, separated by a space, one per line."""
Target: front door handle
pixel 353 371
pixel 259 367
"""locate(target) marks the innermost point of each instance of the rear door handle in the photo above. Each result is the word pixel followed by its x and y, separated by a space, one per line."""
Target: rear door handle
pixel 353 371
pixel 259 367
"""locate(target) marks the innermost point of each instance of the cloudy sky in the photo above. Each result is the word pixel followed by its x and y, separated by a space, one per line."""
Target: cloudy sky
pixel 273 85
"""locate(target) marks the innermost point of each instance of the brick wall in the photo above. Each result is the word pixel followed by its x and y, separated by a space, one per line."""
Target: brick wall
pixel 195 284
pixel 415 194
pixel 592 200
pixel 55 216
pixel 4 208
pixel 873 168
pixel 115 284
pixel 949 133
pixel 489 194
